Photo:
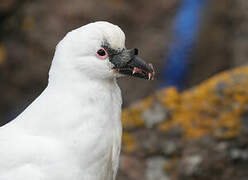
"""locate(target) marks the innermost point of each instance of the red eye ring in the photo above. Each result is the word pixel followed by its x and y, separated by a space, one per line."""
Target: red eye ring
pixel 102 53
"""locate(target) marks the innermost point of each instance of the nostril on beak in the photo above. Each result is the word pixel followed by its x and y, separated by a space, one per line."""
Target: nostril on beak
pixel 136 51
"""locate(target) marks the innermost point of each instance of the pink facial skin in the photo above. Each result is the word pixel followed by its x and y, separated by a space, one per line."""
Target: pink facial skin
pixel 102 53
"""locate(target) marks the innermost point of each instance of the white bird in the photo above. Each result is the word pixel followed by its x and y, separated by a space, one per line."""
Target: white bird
pixel 72 131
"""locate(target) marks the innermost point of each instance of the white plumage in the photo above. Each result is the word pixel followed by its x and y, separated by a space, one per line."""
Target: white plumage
pixel 72 131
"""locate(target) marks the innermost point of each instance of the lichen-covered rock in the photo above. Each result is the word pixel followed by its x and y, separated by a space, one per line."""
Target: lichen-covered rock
pixel 201 133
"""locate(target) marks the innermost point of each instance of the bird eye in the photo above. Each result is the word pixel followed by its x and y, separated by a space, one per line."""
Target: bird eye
pixel 102 53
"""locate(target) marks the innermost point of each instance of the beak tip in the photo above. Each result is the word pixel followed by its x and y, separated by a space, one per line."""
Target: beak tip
pixel 152 74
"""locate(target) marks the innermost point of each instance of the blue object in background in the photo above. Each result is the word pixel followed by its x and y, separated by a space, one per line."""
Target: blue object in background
pixel 185 29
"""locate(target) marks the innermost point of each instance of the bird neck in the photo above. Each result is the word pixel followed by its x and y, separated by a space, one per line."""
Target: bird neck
pixel 64 107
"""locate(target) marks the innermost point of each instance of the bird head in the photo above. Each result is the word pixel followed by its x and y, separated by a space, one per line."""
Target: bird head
pixel 97 50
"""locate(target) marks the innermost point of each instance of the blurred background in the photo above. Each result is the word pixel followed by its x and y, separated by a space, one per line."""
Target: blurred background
pixel 187 41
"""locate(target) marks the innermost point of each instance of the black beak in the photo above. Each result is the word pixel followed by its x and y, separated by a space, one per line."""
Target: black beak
pixel 127 62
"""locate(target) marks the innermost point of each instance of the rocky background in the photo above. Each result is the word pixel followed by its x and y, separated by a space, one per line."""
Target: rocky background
pixel 197 134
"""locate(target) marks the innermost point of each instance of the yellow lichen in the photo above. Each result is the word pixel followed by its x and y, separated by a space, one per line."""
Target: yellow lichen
pixel 129 142
pixel 169 97
pixel 214 107
pixel 131 118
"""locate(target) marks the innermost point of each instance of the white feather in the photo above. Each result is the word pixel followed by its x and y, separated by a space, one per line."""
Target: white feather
pixel 72 131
